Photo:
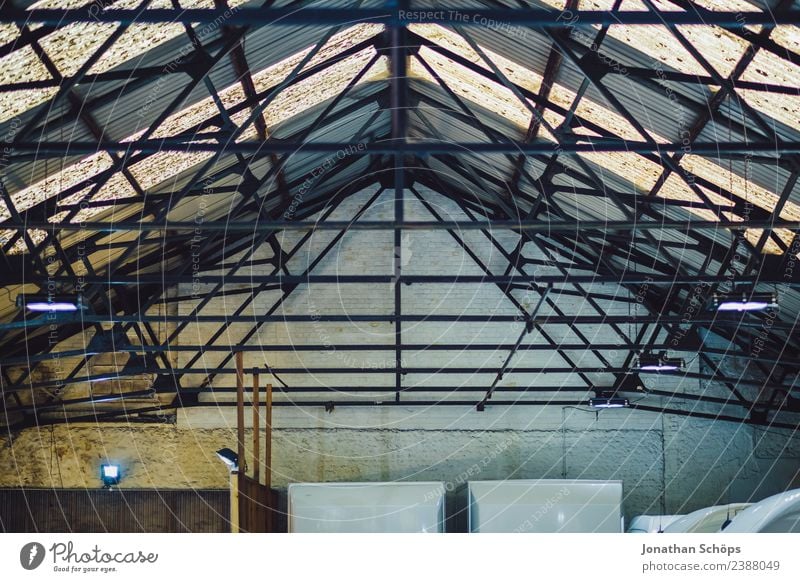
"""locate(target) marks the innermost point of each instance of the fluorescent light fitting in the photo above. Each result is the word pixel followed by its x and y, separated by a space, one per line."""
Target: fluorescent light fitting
pixel 659 363
pixel 745 301
pixel 110 474
pixel 50 302
pixel 609 402
pixel 230 458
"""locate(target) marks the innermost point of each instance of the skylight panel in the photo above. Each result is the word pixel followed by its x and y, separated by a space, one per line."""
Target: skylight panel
pixel 636 169
pixel 70 46
pixel 768 68
pixel 163 166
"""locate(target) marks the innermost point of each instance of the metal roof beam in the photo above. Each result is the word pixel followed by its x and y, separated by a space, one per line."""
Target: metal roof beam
pixel 223 371
pixel 518 225
pixel 581 144
pixel 530 17
pixel 288 290
pixel 712 319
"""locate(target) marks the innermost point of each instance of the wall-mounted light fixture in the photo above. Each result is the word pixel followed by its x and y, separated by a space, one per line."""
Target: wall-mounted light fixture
pixel 49 302
pixel 608 399
pixel 744 301
pixel 230 458
pixel 614 402
pixel 110 474
pixel 649 362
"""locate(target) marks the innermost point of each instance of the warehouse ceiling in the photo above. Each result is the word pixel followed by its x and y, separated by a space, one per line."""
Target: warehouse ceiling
pixel 627 158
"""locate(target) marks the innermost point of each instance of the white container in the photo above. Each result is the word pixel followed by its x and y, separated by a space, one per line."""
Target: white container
pixel 706 520
pixel 366 507
pixel 651 523
pixel 777 514
pixel 545 506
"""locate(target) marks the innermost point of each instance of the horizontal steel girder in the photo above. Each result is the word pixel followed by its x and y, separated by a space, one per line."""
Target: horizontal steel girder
pixel 45 321
pixel 141 414
pixel 389 147
pixel 539 371
pixel 276 348
pixel 505 18
pixel 529 281
pixel 540 226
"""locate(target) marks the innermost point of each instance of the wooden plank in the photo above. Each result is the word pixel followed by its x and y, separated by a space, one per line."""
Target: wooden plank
pixel 256 429
pixel 270 499
pixel 112 511
pixel 240 413
pixel 268 437
pixel 237 478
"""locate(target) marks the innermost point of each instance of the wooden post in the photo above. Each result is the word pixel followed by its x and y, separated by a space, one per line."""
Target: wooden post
pixel 268 437
pixel 240 414
pixel 236 476
pixel 256 435
pixel 234 487
pixel 268 456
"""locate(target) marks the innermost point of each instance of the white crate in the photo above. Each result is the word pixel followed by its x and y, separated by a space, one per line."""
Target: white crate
pixel 366 507
pixel 545 506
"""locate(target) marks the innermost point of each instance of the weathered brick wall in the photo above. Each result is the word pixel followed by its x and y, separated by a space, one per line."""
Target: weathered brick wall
pixel 666 463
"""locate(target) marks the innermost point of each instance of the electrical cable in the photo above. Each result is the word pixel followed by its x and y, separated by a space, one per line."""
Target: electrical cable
pixel 274 375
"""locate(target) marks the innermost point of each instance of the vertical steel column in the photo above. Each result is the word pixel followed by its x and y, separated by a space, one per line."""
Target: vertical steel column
pixel 398 102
